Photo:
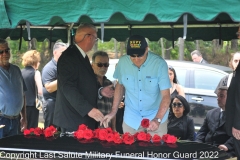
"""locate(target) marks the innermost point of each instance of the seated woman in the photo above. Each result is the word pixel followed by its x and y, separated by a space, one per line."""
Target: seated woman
pixel 176 88
pixel 179 124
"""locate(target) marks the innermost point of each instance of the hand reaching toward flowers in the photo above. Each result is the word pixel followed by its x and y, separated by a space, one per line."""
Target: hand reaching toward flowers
pixel 96 114
pixel 107 119
pixel 153 125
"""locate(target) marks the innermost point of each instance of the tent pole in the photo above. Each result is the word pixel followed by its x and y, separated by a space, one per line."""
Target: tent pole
pixel 220 34
pixel 69 34
pixel 172 35
pixel 20 42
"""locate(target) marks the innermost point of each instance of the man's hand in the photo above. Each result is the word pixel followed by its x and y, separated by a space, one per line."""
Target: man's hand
pixel 121 105
pixel 107 91
pixel 107 119
pixel 96 114
pixel 153 125
pixel 236 133
pixel 223 147
pixel 23 124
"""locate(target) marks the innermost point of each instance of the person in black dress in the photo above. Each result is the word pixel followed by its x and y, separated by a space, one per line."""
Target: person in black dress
pixel 179 124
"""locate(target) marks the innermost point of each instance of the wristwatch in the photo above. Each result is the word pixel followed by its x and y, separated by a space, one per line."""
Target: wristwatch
pixel 158 119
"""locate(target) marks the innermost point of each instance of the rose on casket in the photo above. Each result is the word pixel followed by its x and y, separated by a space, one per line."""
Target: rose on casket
pixel 48 132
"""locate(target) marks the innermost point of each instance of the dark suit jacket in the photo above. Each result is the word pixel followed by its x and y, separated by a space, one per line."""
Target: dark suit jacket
pixel 77 91
pixel 233 103
pixel 213 132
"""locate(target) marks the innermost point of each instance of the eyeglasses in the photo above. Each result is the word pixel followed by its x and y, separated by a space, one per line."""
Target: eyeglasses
pixel 134 55
pixel 96 39
pixel 179 105
pixel 102 64
pixel 6 51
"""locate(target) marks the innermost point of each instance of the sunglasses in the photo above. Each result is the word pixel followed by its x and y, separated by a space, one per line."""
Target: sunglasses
pixel 102 64
pixel 6 51
pixel 132 55
pixel 179 105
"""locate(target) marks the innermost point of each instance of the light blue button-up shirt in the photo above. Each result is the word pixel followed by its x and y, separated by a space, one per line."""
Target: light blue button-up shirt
pixel 12 89
pixel 142 87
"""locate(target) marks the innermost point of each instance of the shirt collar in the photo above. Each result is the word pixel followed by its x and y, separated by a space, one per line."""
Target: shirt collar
pixel 82 52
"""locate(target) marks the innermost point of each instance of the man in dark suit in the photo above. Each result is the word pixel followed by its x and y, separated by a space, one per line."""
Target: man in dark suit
pixel 78 90
pixel 197 57
pixel 213 131
pixel 233 110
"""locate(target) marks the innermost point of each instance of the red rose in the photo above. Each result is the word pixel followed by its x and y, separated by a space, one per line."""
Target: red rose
pixel 135 135
pixel 145 123
pixel 53 129
pixel 117 139
pixel 26 132
pixel 142 136
pixel 38 131
pixel 82 127
pixel 103 134
pixel 148 137
pixel 96 133
pixel 78 134
pixel 88 134
pixel 169 138
pixel 48 133
pixel 31 130
pixel 164 137
pixel 156 138
pixel 110 137
pixel 128 139
pixel 109 130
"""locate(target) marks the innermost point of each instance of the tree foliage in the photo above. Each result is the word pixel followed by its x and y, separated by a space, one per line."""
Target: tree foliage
pixel 212 51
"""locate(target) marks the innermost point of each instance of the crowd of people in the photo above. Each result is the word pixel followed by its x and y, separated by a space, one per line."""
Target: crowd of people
pixel 77 92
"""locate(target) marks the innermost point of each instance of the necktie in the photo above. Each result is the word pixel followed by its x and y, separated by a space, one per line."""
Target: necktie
pixel 222 117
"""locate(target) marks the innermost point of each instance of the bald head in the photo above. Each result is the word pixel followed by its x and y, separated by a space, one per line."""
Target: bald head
pixel 86 36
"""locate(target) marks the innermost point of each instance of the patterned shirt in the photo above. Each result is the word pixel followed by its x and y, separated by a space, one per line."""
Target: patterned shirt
pixel 105 104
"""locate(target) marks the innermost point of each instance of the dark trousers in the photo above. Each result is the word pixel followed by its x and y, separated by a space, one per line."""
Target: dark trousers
pixel 32 117
pixel 11 127
pixel 119 120
pixel 48 112
pixel 237 147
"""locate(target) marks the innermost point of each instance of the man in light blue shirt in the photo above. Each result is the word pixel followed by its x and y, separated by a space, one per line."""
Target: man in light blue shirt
pixel 144 77
pixel 12 98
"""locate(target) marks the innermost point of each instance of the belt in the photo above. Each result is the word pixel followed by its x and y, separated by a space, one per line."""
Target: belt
pixel 51 99
pixel 8 117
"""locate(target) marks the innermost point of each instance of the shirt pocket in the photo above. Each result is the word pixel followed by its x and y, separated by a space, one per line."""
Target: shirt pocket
pixel 129 82
pixel 151 85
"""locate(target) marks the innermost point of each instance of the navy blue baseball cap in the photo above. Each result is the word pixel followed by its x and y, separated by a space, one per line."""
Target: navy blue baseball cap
pixel 136 45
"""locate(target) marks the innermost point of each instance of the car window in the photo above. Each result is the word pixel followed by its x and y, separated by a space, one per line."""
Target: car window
pixel 110 72
pixel 181 76
pixel 207 79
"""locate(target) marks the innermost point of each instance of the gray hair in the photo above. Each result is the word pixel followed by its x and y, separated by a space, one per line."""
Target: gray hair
pixel 3 42
pixel 85 25
pixel 99 53
pixel 197 52
pixel 57 45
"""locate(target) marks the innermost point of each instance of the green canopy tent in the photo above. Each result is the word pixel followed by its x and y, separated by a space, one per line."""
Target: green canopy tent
pixel 57 19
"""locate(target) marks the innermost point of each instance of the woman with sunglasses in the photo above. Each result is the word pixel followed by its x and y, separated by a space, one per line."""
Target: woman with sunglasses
pixel 179 124
pixel 176 88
